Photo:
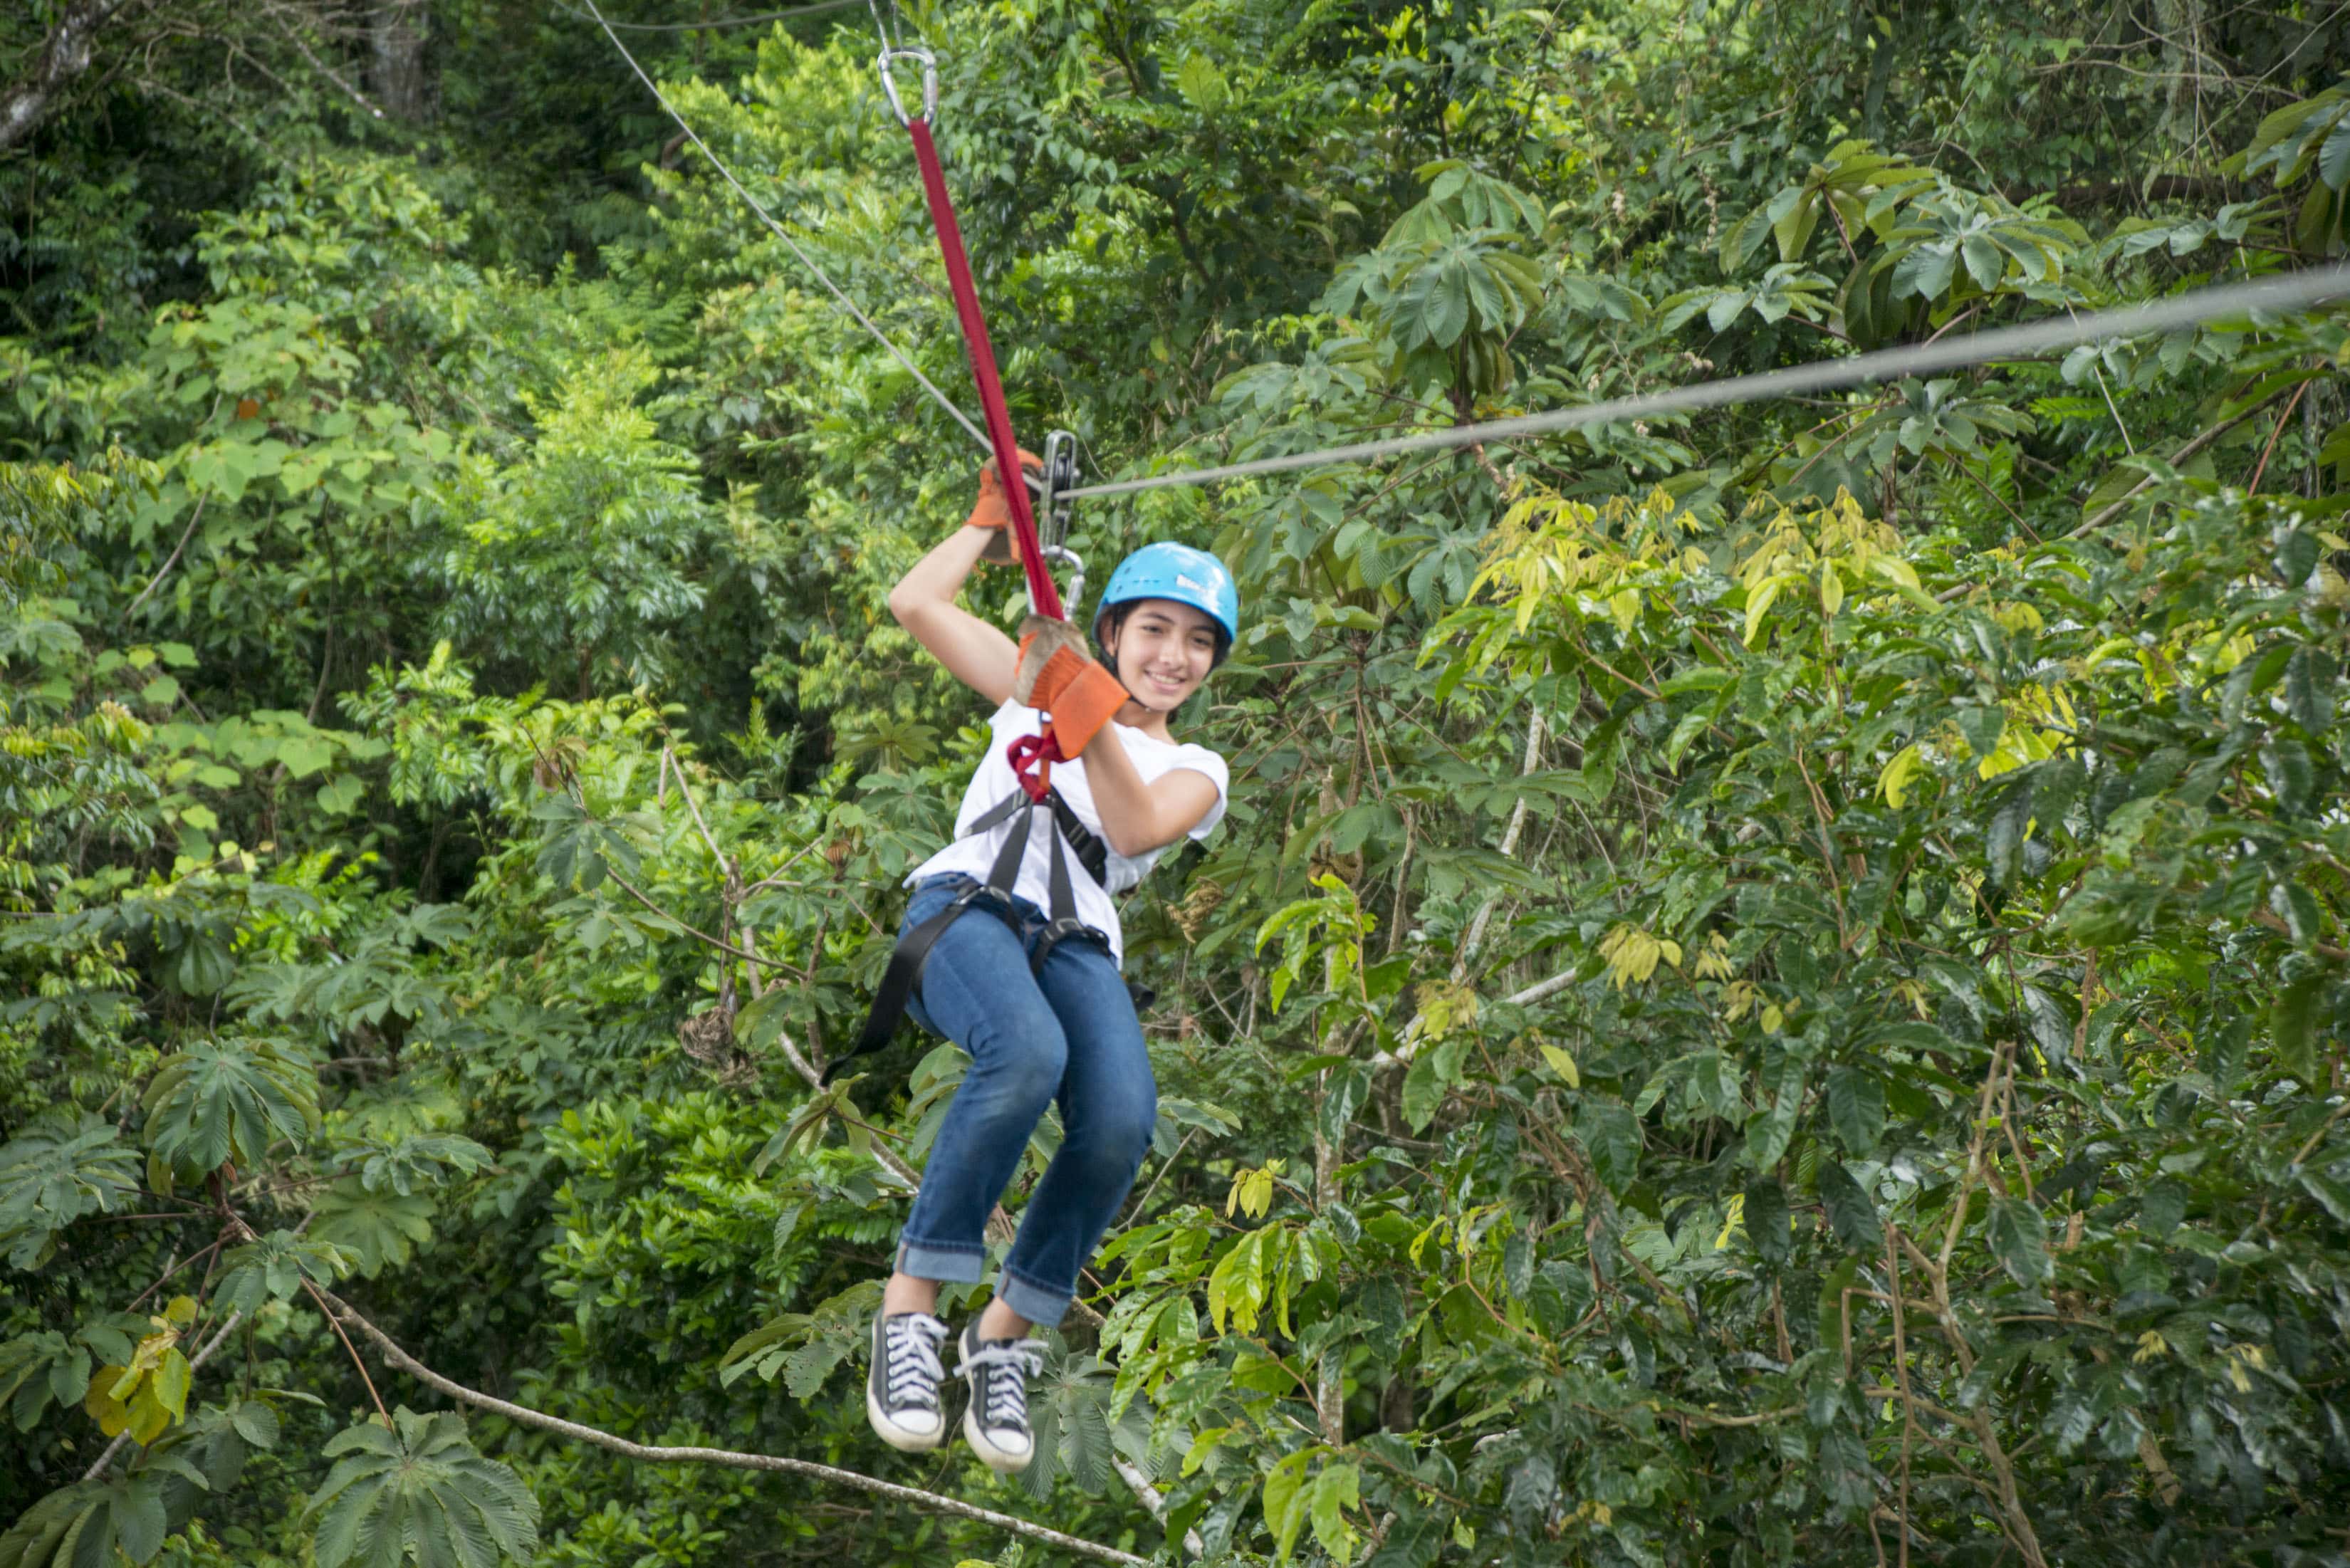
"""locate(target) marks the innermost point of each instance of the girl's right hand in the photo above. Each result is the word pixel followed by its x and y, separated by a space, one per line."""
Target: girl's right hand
pixel 992 510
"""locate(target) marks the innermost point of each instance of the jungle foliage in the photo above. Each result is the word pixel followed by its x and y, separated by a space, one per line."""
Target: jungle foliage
pixel 1775 987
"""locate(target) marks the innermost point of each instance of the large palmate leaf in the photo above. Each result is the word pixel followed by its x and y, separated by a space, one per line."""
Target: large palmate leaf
pixel 86 1524
pixel 375 1228
pixel 421 1160
pixel 418 1489
pixel 226 1100
pixel 61 1167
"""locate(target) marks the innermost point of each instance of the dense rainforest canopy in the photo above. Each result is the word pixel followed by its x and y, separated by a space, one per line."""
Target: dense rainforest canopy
pixel 1774 990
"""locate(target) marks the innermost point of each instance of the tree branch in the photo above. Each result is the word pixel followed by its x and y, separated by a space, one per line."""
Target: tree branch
pixel 63 56
pixel 166 569
pixel 523 1416
pixel 2181 455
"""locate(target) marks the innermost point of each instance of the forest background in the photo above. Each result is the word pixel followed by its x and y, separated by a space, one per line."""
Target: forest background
pixel 1775 989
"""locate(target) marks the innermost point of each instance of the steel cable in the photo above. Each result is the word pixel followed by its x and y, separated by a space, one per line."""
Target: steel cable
pixel 778 230
pixel 2296 291
pixel 2283 294
pixel 716 24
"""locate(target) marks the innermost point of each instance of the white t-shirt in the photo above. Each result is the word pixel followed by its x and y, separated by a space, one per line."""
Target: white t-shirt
pixel 974 856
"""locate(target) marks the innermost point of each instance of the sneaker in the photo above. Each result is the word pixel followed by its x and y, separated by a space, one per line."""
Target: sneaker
pixel 901 1387
pixel 995 1422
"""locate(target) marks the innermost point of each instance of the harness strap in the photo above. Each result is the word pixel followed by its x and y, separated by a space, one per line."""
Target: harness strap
pixel 1064 923
pixel 901 981
pixel 1043 597
pixel 1031 766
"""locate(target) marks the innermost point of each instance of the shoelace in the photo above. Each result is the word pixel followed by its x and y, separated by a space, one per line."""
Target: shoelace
pixel 911 1370
pixel 1007 1398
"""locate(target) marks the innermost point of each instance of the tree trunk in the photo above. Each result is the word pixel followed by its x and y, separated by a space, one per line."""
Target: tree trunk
pixel 395 74
pixel 63 56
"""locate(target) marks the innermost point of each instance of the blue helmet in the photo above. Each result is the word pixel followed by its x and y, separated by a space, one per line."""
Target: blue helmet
pixel 1180 573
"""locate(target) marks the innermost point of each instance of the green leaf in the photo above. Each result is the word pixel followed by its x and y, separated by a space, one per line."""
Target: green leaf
pixel 1423 1091
pixel 420 1482
pixel 273 1268
pixel 1984 262
pixel 256 1422
pixel 302 755
pixel 1202 84
pixel 2291 774
pixel 1338 1488
pixel 2333 157
pixel 2292 1027
pixel 1769 1130
pixel 86 1524
pixel 2018 1239
pixel 1740 239
pixel 1612 1138
pixel 1855 1108
pixel 173 1377
pixel 223 1100
pixel 1286 1502
pixel 375 1228
pixel 65 1166
pixel 2295 905
pixel 2309 686
pixel 1851 1214
pixel 39 1369
pixel 1794 230
pixel 1766 1215
pixel 342 796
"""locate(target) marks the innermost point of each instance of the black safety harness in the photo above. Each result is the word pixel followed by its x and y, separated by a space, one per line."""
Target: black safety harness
pixel 903 978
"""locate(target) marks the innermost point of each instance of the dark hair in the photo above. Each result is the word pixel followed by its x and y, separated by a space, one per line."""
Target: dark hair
pixel 1113 618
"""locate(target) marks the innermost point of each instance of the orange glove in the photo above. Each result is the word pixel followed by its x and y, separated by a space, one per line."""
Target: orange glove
pixel 1055 673
pixel 992 510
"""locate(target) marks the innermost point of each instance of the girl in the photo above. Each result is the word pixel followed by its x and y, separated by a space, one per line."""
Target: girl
pixel 1038 1002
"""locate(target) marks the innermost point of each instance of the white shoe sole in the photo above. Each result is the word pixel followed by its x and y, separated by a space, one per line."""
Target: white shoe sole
pixel 896 1436
pixel 1002 1461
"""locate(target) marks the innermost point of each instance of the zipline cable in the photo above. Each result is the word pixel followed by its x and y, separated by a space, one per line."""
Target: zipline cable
pixel 717 23
pixel 2283 294
pixel 2029 340
pixel 780 233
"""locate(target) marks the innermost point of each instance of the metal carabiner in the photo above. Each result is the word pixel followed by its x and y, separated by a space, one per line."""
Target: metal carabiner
pixel 1077 593
pixel 1060 477
pixel 929 62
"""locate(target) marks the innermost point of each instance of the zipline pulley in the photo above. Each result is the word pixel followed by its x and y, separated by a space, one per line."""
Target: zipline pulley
pixel 1053 527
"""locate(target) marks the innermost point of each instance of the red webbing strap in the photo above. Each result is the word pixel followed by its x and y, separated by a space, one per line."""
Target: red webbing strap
pixel 1041 592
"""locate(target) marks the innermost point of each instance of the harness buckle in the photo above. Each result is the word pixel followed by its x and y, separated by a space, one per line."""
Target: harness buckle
pixel 1059 931
pixel 929 64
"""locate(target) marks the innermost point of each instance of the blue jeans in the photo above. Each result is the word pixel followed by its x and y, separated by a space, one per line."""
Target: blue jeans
pixel 1067 1034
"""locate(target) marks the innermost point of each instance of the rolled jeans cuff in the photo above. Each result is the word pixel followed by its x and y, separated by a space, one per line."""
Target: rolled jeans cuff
pixel 1040 1304
pixel 944 1261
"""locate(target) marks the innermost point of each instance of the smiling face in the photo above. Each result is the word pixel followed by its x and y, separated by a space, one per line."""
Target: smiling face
pixel 1161 650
